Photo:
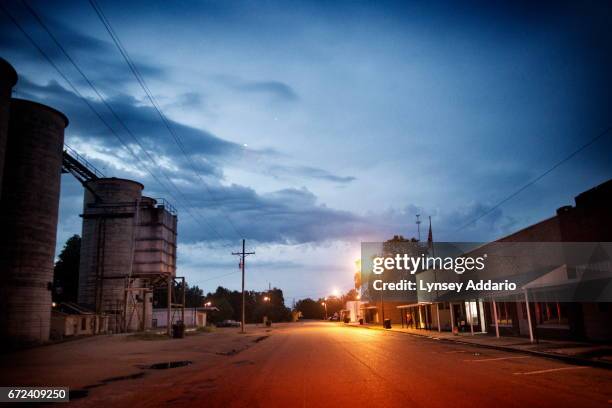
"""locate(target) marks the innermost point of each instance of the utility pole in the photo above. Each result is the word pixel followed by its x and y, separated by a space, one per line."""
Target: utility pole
pixel 418 223
pixel 243 255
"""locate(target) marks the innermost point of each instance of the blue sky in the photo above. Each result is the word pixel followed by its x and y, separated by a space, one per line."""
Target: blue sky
pixel 318 125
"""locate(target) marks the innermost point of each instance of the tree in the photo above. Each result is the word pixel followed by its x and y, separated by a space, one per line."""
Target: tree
pixel 256 305
pixel 350 295
pixel 311 309
pixel 226 311
pixel 334 305
pixel 66 271
pixel 194 297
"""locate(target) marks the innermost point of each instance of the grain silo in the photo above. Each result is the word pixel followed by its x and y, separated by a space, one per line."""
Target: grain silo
pixel 28 220
pixel 109 211
pixel 128 246
pixel 8 79
pixel 156 238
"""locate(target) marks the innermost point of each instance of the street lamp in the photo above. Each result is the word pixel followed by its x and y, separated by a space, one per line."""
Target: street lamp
pixel 325 304
pixel 336 293
pixel 208 304
pixel 266 299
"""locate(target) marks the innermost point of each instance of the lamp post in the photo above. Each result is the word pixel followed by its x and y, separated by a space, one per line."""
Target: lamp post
pixel 266 321
pixel 325 305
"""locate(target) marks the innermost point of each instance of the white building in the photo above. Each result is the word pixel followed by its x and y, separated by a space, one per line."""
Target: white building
pixel 194 316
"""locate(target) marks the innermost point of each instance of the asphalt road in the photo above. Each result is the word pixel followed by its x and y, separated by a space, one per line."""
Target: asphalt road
pixel 328 365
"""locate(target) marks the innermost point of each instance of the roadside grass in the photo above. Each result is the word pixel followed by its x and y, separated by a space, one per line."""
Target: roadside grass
pixel 206 329
pixel 147 336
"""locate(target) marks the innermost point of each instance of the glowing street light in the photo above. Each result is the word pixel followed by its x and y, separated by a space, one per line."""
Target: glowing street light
pixel 208 304
pixel 266 299
pixel 325 305
pixel 336 293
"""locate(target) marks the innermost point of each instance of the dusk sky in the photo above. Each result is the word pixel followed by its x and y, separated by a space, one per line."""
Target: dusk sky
pixel 315 126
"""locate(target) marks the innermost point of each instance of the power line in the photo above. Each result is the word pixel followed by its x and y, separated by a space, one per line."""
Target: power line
pixel 243 254
pixel 535 180
pixel 152 100
pixel 219 276
pixel 103 100
pixel 89 105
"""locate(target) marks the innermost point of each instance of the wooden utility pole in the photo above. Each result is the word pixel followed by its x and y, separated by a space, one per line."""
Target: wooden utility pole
pixel 243 255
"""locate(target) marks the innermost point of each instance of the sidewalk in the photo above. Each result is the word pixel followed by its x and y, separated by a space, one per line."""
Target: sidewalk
pixel 599 355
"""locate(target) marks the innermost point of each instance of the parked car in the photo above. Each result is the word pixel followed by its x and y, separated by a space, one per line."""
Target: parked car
pixel 228 323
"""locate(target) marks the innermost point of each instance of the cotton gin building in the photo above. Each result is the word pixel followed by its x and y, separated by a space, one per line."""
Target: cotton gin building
pixel 128 248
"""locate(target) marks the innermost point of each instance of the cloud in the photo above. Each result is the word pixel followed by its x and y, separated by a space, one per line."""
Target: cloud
pixel 285 216
pixel 278 90
pixel 309 172
pixel 99 59
pixel 142 121
pixel 282 216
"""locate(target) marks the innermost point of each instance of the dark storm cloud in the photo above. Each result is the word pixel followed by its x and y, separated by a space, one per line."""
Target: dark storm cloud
pixel 99 59
pixel 287 216
pixel 284 216
pixel 142 121
pixel 458 45
pixel 203 149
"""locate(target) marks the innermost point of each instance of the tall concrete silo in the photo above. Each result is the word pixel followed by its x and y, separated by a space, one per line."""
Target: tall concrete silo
pixel 107 246
pixel 129 242
pixel 28 220
pixel 8 79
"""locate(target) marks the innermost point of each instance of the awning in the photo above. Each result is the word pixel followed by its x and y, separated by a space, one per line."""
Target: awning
pixel 414 305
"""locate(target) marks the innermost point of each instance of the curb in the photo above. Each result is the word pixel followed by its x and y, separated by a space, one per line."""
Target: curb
pixel 567 359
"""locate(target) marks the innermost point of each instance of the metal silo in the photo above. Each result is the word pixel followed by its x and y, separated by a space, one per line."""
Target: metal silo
pixel 28 220
pixel 8 79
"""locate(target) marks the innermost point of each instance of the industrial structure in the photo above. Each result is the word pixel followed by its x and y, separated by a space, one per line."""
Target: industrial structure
pixel 29 207
pixel 128 240
pixel 128 248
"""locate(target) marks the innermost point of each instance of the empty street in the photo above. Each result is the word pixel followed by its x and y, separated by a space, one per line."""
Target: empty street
pixel 324 364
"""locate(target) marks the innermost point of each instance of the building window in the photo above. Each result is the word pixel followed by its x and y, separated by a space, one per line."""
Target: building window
pixel 551 313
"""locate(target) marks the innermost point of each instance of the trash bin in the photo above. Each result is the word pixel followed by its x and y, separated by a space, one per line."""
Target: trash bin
pixel 361 322
pixel 178 330
pixel 387 324
pixel 268 323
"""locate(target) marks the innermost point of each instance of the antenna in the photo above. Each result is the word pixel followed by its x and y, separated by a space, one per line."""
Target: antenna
pixel 418 223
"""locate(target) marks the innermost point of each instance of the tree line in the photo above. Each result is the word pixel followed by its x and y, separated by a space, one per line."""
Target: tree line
pixel 228 302
pixel 315 308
